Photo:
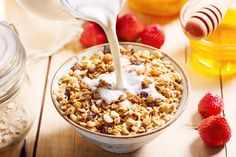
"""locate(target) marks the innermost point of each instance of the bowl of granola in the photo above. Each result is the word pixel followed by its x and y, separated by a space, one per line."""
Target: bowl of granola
pixel 120 121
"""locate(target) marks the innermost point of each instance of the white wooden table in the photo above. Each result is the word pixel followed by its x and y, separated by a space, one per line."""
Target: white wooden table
pixel 52 136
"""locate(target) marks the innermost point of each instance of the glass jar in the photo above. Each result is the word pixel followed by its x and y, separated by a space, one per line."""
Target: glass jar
pixel 16 111
pixel 217 52
pixel 157 7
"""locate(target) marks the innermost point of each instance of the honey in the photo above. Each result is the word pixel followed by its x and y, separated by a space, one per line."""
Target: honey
pixel 217 52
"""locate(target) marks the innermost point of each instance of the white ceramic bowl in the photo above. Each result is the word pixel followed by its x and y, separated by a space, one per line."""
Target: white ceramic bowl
pixel 112 143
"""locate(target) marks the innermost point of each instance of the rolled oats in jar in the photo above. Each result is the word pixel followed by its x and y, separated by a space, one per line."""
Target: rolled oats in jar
pixel 16 111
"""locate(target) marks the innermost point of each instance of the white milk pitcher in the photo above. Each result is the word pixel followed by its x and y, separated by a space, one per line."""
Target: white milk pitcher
pixel 57 9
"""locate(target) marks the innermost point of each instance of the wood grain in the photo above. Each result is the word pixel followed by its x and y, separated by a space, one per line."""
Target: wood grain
pixel 56 138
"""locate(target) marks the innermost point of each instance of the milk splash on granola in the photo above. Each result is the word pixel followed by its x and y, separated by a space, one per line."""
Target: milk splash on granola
pixel 133 83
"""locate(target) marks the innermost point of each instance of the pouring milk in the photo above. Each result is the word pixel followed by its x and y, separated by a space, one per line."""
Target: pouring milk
pixel 103 12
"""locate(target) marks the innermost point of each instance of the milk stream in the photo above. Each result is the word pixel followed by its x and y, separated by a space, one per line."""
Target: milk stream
pixel 114 46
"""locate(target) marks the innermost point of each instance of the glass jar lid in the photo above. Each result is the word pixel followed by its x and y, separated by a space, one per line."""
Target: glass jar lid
pixel 7 47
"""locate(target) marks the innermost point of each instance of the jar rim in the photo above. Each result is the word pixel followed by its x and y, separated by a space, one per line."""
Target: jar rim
pixel 9 47
pixel 12 62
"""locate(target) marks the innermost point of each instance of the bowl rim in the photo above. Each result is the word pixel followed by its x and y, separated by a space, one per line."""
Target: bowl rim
pixel 172 120
pixel 203 41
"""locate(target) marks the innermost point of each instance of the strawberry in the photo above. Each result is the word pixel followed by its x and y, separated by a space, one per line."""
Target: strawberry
pixel 215 130
pixel 153 35
pixel 129 27
pixel 92 35
pixel 210 104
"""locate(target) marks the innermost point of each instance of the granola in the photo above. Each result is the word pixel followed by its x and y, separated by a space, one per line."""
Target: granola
pixel 87 96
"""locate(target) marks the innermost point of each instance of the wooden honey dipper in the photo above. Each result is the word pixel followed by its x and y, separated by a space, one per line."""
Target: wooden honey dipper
pixel 206 19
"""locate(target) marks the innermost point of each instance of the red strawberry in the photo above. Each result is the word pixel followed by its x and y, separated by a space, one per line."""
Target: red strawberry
pixel 129 27
pixel 210 104
pixel 215 130
pixel 153 35
pixel 92 35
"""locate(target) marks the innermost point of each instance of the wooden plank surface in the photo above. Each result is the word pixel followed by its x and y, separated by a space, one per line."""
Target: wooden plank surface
pixel 56 138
